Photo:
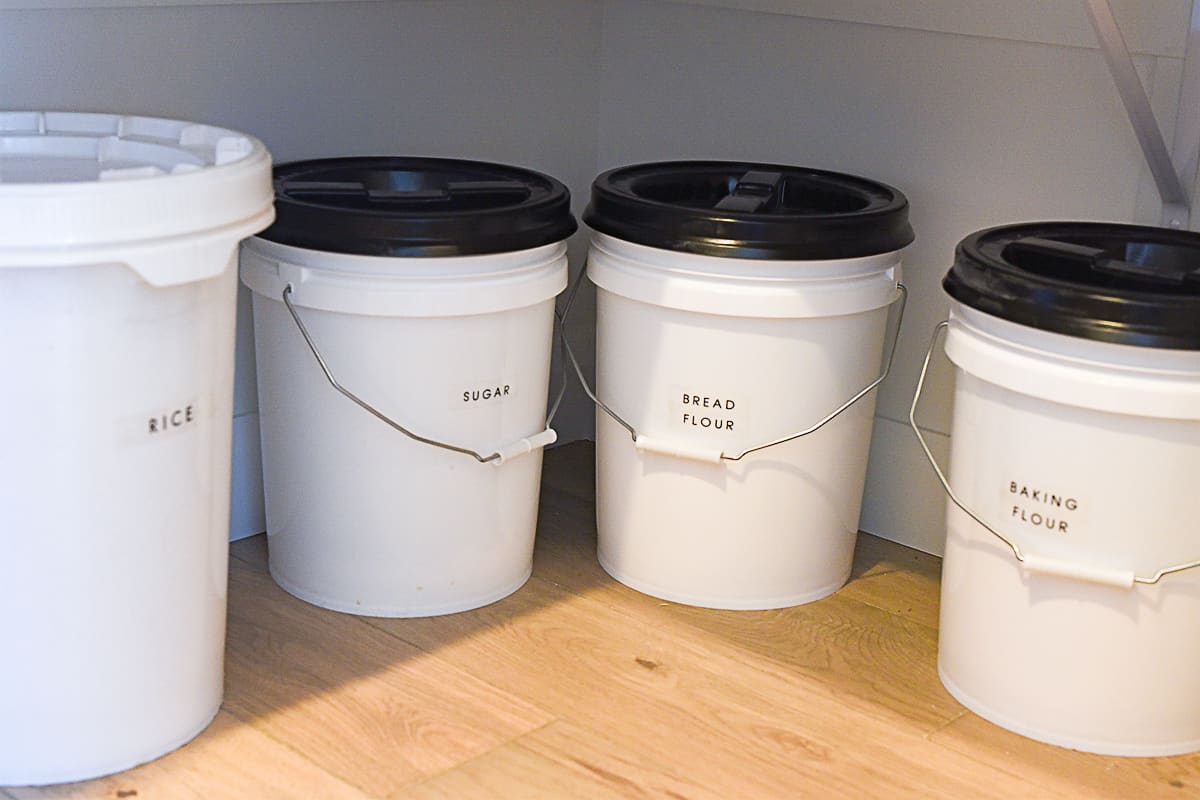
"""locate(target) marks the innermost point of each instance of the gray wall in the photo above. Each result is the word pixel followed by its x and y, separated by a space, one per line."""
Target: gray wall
pixel 503 81
pixel 982 112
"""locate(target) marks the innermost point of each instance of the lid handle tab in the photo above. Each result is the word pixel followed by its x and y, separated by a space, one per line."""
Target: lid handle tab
pixel 1099 261
pixel 1151 273
pixel 1054 248
pixel 755 191
pixel 496 191
pixel 324 188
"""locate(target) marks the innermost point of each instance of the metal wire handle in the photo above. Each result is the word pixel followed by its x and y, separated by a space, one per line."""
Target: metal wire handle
pixel 1031 562
pixel 712 455
pixel 499 456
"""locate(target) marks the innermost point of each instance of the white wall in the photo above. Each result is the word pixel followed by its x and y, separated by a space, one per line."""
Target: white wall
pixel 976 126
pixel 982 111
pixel 508 82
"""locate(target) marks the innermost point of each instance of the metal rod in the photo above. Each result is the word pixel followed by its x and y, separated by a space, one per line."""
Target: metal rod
pixel 583 381
pixel 941 476
pixel 363 404
pixel 1185 144
pixel 901 298
pixel 1137 104
pixel 562 380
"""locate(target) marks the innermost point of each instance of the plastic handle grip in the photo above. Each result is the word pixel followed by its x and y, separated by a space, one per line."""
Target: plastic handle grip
pixel 650 444
pixel 1122 579
pixel 526 445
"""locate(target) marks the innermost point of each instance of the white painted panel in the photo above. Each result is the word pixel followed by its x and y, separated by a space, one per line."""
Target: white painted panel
pixel 904 501
pixel 510 82
pixel 245 393
pixel 57 4
pixel 976 131
pixel 1150 27
pixel 1163 79
pixel 247 511
pixel 981 111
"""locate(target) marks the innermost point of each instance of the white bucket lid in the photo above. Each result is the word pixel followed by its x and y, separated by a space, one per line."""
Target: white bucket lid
pixel 86 188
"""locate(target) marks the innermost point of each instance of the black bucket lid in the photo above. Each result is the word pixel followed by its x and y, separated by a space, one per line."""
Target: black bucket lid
pixel 744 210
pixel 400 206
pixel 1124 284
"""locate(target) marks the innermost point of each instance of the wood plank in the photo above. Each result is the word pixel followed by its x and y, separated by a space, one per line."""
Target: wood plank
pixel 870 652
pixel 877 556
pixel 228 760
pixel 1060 769
pixel 914 576
pixel 693 701
pixel 562 760
pixel 889 578
pixel 364 705
pixel 252 550
pixel 577 686
pixel 896 579
pixel 570 469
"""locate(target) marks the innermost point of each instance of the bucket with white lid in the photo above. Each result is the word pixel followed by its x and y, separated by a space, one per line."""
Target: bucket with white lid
pixel 1070 608
pixel 403 320
pixel 118 244
pixel 742 323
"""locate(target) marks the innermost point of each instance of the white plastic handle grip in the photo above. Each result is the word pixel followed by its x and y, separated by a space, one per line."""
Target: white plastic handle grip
pixel 1120 578
pixel 651 444
pixel 526 445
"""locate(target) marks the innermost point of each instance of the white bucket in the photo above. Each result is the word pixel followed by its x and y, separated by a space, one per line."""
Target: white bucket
pixel 453 349
pixel 1075 447
pixel 716 361
pixel 118 238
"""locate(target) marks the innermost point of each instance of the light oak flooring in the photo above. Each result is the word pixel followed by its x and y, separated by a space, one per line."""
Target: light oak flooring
pixel 578 687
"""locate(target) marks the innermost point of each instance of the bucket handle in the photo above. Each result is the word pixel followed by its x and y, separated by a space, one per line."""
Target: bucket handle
pixel 1032 562
pixel 654 444
pixel 498 456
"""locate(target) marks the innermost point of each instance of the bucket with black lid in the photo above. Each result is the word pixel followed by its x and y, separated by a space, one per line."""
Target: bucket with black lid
pixel 1070 605
pixel 743 318
pixel 403 318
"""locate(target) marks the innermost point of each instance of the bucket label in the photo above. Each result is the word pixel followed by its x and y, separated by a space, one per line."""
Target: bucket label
pixel 1030 505
pixel 487 393
pixel 161 423
pixel 711 411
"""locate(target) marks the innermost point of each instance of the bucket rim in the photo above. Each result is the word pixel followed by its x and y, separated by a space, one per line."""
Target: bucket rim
pixel 450 286
pixel 129 127
pixel 79 188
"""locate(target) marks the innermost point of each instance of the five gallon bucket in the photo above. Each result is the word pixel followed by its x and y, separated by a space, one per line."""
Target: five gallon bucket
pixel 1070 591
pixel 118 240
pixel 403 319
pixel 742 319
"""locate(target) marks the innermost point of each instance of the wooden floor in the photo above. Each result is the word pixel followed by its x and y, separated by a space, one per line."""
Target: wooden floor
pixel 578 687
